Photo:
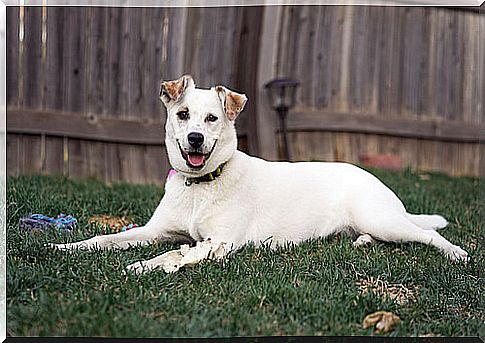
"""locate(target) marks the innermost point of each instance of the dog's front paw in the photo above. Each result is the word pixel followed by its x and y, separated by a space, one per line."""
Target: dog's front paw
pixel 62 247
pixel 140 267
pixel 66 246
pixel 455 253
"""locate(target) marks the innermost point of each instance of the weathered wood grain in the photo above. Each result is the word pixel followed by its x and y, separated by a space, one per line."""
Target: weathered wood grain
pixel 30 155
pixel 426 155
pixel 108 129
pixel 13 154
pixel 96 59
pixel 388 125
pixel 32 62
pixel 245 71
pixel 391 78
pixel 12 56
pixel 75 55
pixel 54 163
pixel 55 83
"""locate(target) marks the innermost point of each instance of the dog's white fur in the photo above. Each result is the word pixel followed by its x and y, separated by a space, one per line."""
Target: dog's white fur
pixel 254 200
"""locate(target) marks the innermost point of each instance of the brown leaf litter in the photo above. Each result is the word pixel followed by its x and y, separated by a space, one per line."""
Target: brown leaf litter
pixel 396 292
pixel 110 222
pixel 382 321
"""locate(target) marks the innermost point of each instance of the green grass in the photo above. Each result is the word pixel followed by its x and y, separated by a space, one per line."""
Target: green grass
pixel 309 289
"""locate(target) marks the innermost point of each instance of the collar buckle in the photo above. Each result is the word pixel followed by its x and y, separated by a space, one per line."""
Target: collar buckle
pixel 204 178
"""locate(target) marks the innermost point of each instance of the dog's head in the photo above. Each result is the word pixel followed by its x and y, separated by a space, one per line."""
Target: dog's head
pixel 199 131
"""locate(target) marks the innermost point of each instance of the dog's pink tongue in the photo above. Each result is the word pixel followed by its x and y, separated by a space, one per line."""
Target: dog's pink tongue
pixel 196 160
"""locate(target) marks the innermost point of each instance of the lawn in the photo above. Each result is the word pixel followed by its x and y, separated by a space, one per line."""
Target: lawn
pixel 321 287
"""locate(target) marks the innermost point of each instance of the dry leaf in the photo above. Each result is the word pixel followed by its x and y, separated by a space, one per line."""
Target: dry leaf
pixel 382 320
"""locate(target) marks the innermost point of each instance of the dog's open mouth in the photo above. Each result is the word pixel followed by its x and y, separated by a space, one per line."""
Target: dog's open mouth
pixel 196 159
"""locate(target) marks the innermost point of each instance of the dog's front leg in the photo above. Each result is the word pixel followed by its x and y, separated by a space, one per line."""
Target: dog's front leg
pixel 123 240
pixel 173 260
pixel 158 228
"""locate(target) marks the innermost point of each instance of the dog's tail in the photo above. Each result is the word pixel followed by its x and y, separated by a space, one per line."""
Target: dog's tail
pixel 428 221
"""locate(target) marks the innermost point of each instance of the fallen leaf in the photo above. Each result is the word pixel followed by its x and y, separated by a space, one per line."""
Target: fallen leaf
pixel 382 320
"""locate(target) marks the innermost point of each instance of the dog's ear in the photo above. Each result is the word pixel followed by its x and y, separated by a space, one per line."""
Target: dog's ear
pixel 232 102
pixel 173 90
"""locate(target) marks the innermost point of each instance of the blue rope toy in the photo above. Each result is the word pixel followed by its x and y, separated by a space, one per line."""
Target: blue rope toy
pixel 39 222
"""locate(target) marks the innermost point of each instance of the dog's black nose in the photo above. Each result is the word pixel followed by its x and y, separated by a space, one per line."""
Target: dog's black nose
pixel 195 139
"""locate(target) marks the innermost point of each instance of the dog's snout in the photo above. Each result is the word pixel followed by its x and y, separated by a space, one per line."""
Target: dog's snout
pixel 195 139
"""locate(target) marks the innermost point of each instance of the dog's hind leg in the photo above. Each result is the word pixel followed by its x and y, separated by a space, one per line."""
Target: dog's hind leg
pixel 364 239
pixel 397 227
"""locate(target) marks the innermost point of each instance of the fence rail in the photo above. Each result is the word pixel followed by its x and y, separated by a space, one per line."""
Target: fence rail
pixel 386 125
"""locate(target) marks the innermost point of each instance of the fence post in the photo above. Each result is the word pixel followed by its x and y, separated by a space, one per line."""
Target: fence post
pixel 266 121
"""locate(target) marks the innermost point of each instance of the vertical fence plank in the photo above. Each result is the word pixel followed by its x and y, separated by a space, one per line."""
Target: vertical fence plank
pixel 13 158
pixel 77 166
pixel 156 164
pixel 96 59
pixel 12 55
pixel 397 63
pixel 375 58
pixel 111 163
pixel 54 85
pixel 358 62
pixel 441 64
pixel 74 72
pixel 480 80
pixel 112 66
pixel 54 161
pixel 31 155
pixel 175 49
pixel 346 46
pixel 130 59
pixel 95 159
pixel 454 81
pixel 32 59
pixel 229 28
pixel 305 45
pixel 336 40
pixel 320 60
pixel 425 65
pixel 385 65
pixel 246 69
pixel 470 71
pixel 193 38
pixel 412 59
pixel 150 70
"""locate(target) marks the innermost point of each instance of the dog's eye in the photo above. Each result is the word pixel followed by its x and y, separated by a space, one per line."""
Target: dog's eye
pixel 211 118
pixel 183 115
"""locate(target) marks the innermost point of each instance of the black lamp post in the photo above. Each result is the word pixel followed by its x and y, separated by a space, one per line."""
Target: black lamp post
pixel 282 96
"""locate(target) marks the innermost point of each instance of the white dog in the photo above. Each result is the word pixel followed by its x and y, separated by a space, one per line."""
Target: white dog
pixel 223 194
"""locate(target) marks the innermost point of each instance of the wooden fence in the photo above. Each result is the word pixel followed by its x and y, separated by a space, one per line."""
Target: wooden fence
pixel 405 81
pixel 82 83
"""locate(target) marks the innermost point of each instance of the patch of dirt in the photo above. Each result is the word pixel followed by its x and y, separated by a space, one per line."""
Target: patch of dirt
pixel 398 292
